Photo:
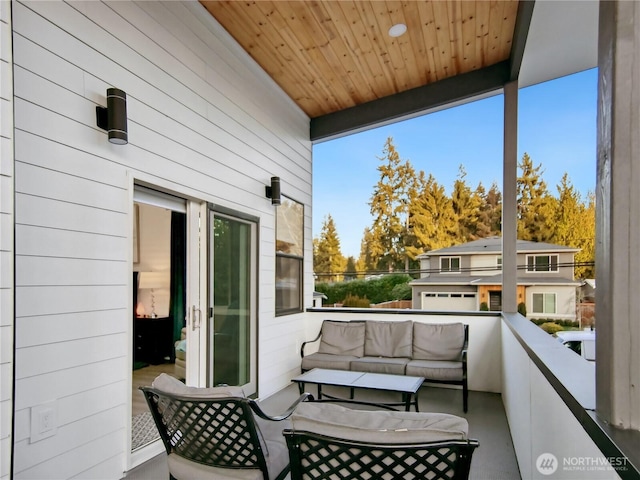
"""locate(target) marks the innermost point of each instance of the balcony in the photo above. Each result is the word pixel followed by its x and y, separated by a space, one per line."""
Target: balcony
pixel 530 396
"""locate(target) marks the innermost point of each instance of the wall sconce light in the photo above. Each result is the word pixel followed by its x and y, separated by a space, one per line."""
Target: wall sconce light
pixel 273 191
pixel 113 118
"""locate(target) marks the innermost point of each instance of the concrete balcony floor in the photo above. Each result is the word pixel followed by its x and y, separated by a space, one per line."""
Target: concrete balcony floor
pixel 494 459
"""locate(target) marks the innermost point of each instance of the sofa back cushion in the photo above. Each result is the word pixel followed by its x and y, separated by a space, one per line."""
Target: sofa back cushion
pixel 378 426
pixel 388 339
pixel 443 341
pixel 342 338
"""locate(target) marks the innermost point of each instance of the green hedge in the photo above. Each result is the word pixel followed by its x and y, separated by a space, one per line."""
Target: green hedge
pixel 376 290
pixel 551 327
pixel 562 323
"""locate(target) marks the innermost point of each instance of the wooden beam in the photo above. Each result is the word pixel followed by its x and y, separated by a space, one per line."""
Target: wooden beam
pixel 410 102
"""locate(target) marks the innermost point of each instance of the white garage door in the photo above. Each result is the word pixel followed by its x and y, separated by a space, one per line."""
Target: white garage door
pixel 442 301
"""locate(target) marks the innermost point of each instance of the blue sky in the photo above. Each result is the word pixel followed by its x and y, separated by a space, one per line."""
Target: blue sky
pixel 556 127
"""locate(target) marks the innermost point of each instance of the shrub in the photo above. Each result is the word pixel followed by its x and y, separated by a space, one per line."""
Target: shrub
pixel 522 309
pixel 355 301
pixel 377 290
pixel 551 327
pixel 401 291
pixel 484 307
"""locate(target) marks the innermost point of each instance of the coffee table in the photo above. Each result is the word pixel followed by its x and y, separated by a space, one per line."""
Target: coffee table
pixel 406 385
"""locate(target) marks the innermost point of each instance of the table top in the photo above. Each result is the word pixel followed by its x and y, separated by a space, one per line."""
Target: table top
pixel 345 378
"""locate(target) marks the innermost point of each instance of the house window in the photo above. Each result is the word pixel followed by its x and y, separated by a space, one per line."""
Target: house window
pixel 499 263
pixel 544 303
pixel 289 256
pixel 542 263
pixel 450 264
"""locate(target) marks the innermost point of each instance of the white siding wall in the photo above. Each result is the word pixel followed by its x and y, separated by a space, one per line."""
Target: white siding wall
pixel 565 301
pixel 205 122
pixel 6 238
pixel 482 265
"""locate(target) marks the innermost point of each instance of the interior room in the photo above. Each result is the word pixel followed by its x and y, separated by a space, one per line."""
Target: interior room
pixel 158 305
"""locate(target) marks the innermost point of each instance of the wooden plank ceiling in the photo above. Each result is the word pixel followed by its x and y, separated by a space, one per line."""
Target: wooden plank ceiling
pixel 332 55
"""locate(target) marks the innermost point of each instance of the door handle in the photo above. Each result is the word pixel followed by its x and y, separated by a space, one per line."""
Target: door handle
pixel 196 317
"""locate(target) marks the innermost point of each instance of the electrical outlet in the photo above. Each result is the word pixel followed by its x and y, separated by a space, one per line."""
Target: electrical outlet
pixel 44 421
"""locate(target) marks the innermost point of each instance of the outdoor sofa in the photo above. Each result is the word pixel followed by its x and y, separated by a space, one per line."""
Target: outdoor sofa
pixel 437 352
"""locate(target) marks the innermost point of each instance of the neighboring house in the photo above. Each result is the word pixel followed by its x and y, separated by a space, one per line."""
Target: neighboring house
pixel 588 290
pixel 317 299
pixel 463 277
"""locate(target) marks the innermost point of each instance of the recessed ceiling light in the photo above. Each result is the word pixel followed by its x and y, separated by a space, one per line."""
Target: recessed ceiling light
pixel 397 30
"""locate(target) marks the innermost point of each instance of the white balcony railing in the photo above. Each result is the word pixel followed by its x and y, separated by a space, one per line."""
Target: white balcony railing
pixel 547 390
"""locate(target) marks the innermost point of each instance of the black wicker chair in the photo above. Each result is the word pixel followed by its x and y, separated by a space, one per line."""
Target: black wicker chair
pixel 314 456
pixel 332 442
pixel 212 437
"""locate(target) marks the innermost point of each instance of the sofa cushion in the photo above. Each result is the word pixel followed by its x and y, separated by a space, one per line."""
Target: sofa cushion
pixel 342 338
pixel 388 339
pixel 443 371
pixel 169 384
pixel 443 341
pixel 378 426
pixel 394 366
pixel 326 360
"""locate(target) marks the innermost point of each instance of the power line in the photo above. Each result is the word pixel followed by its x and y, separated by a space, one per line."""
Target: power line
pixel 459 270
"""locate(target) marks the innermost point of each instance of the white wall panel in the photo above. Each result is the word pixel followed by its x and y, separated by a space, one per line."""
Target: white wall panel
pixel 6 238
pixel 69 298
pixel 70 326
pixel 43 241
pixel 75 447
pixel 204 121
pixel 69 354
pixel 44 212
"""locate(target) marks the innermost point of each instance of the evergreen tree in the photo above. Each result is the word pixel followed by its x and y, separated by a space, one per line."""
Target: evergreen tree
pixel 587 242
pixel 433 219
pixel 568 214
pixel 365 261
pixel 490 214
pixel 466 206
pixel 390 204
pixel 350 270
pixel 575 226
pixel 536 207
pixel 328 261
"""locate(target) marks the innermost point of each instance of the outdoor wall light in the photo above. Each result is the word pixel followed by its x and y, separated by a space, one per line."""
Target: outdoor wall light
pixel 113 118
pixel 273 191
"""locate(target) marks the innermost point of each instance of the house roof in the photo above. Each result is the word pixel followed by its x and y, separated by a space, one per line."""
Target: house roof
pixel 524 280
pixel 336 60
pixel 493 245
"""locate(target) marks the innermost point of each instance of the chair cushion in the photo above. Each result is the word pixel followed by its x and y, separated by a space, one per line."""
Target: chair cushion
pixel 269 432
pixel 394 366
pixel 329 361
pixel 388 339
pixel 342 338
pixel 378 426
pixel 435 370
pixel 443 341
pixel 169 384
pixel 275 450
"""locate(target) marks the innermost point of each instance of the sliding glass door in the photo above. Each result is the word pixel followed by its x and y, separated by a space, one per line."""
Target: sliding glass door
pixel 232 300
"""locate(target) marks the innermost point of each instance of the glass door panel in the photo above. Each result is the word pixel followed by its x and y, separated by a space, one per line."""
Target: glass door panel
pixel 232 297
